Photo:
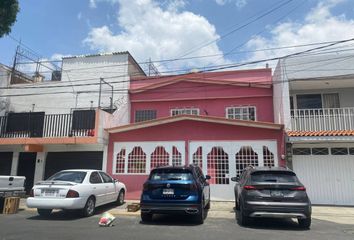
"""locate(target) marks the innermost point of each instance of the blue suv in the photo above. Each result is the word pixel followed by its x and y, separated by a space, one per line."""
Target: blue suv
pixel 175 190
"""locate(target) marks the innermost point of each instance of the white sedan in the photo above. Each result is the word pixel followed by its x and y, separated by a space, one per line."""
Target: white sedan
pixel 76 189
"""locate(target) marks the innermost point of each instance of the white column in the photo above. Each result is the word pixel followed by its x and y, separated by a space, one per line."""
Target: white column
pixel 40 166
pixel 14 165
pixel 104 160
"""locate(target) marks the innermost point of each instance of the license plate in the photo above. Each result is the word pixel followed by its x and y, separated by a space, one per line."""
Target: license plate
pixel 49 192
pixel 168 191
pixel 277 194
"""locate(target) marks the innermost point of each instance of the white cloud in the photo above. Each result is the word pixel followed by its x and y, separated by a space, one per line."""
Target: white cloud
pixel 92 4
pixel 320 25
pixel 150 30
pixel 239 3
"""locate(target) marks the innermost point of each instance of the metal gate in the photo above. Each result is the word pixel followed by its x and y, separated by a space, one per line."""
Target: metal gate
pixel 225 159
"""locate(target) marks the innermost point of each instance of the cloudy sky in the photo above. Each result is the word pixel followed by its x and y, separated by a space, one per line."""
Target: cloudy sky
pixel 203 33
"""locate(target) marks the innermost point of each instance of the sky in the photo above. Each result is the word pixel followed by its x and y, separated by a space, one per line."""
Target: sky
pixel 203 33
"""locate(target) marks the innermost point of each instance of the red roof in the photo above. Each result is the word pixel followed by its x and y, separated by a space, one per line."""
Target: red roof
pixel 254 77
pixel 320 133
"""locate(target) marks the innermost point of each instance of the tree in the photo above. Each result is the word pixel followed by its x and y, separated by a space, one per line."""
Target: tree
pixel 8 13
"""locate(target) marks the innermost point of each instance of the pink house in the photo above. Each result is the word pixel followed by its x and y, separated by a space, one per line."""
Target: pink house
pixel 222 121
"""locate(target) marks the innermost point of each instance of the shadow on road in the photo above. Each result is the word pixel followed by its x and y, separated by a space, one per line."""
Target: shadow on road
pixel 65 215
pixel 174 220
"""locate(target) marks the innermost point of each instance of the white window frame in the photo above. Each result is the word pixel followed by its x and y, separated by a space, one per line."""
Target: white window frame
pixel 294 96
pixel 181 110
pixel 241 107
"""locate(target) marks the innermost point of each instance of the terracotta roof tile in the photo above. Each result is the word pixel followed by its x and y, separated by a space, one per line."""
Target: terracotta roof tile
pixel 320 133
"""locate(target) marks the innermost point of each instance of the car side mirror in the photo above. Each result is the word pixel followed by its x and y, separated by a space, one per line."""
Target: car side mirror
pixel 235 179
pixel 207 177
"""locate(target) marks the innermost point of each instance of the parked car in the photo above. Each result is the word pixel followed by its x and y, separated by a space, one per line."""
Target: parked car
pixel 175 190
pixel 12 186
pixel 271 192
pixel 76 189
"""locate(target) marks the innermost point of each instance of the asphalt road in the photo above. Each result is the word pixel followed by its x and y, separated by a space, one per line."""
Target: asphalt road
pixel 61 225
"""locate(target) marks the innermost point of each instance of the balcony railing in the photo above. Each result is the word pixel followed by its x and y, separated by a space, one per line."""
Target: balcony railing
pixel 47 126
pixel 322 119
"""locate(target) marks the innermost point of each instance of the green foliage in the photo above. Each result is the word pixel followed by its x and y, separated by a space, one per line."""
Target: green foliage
pixel 8 13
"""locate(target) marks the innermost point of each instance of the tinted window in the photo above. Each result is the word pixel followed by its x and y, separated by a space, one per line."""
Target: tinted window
pixel 274 177
pixel 95 178
pixel 83 119
pixel 171 174
pixel 68 176
pixel 106 178
pixel 309 101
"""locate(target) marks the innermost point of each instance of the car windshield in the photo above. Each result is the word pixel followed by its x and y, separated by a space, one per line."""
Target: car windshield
pixel 68 176
pixel 163 175
pixel 274 177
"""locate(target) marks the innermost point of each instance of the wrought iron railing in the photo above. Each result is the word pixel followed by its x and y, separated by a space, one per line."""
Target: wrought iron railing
pixel 322 119
pixel 49 126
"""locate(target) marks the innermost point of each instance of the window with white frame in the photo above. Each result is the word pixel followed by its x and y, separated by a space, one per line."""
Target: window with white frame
pixel 181 111
pixel 137 161
pixel 241 113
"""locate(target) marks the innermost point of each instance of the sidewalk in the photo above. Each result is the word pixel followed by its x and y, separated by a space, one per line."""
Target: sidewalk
pixel 341 215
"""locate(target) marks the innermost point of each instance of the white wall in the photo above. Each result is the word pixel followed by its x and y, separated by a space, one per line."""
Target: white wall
pixel 76 70
pixel 4 79
pixel 281 100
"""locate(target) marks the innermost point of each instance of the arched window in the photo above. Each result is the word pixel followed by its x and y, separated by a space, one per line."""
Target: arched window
pixel 218 166
pixel 159 157
pixel 244 158
pixel 198 157
pixel 268 157
pixel 137 161
pixel 120 161
pixel 176 157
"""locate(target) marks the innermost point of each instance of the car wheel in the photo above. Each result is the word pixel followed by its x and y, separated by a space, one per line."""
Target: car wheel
pixel 44 212
pixel 89 208
pixel 200 215
pixel 208 205
pixel 305 222
pixel 146 217
pixel 242 219
pixel 120 199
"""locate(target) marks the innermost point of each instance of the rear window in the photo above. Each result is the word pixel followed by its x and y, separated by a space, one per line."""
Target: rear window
pixel 171 174
pixel 274 177
pixel 68 176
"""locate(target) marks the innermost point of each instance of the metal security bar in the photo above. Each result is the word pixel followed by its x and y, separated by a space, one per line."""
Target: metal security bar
pixel 218 166
pixel 159 157
pixel 176 157
pixel 322 119
pixel 137 161
pixel 120 161
pixel 198 157
pixel 244 158
pixel 45 126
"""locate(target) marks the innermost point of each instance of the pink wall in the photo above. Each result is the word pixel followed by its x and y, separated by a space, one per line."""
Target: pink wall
pixel 211 99
pixel 186 131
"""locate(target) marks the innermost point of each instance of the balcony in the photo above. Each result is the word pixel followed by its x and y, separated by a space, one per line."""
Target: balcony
pixel 322 119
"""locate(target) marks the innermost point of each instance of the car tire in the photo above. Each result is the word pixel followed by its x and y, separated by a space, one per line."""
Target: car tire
pixel 120 198
pixel 199 218
pixel 89 208
pixel 242 219
pixel 208 205
pixel 304 222
pixel 146 217
pixel 44 212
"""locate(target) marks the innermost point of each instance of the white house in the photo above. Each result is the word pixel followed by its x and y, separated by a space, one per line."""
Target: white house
pixel 314 99
pixel 57 122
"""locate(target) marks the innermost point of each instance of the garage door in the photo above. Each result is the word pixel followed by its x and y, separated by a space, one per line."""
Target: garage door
pixel 329 179
pixel 5 163
pixel 225 159
pixel 57 161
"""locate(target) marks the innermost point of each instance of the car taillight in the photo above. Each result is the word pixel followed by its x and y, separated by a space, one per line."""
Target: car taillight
pixel 248 187
pixel 298 189
pixel 32 193
pixel 72 194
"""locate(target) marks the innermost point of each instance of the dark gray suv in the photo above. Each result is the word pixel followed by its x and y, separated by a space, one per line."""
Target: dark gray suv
pixel 271 192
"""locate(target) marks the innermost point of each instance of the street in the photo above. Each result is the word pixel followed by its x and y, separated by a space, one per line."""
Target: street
pixel 62 225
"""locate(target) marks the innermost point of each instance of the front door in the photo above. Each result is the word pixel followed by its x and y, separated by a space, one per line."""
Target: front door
pixel 26 167
pixel 225 159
